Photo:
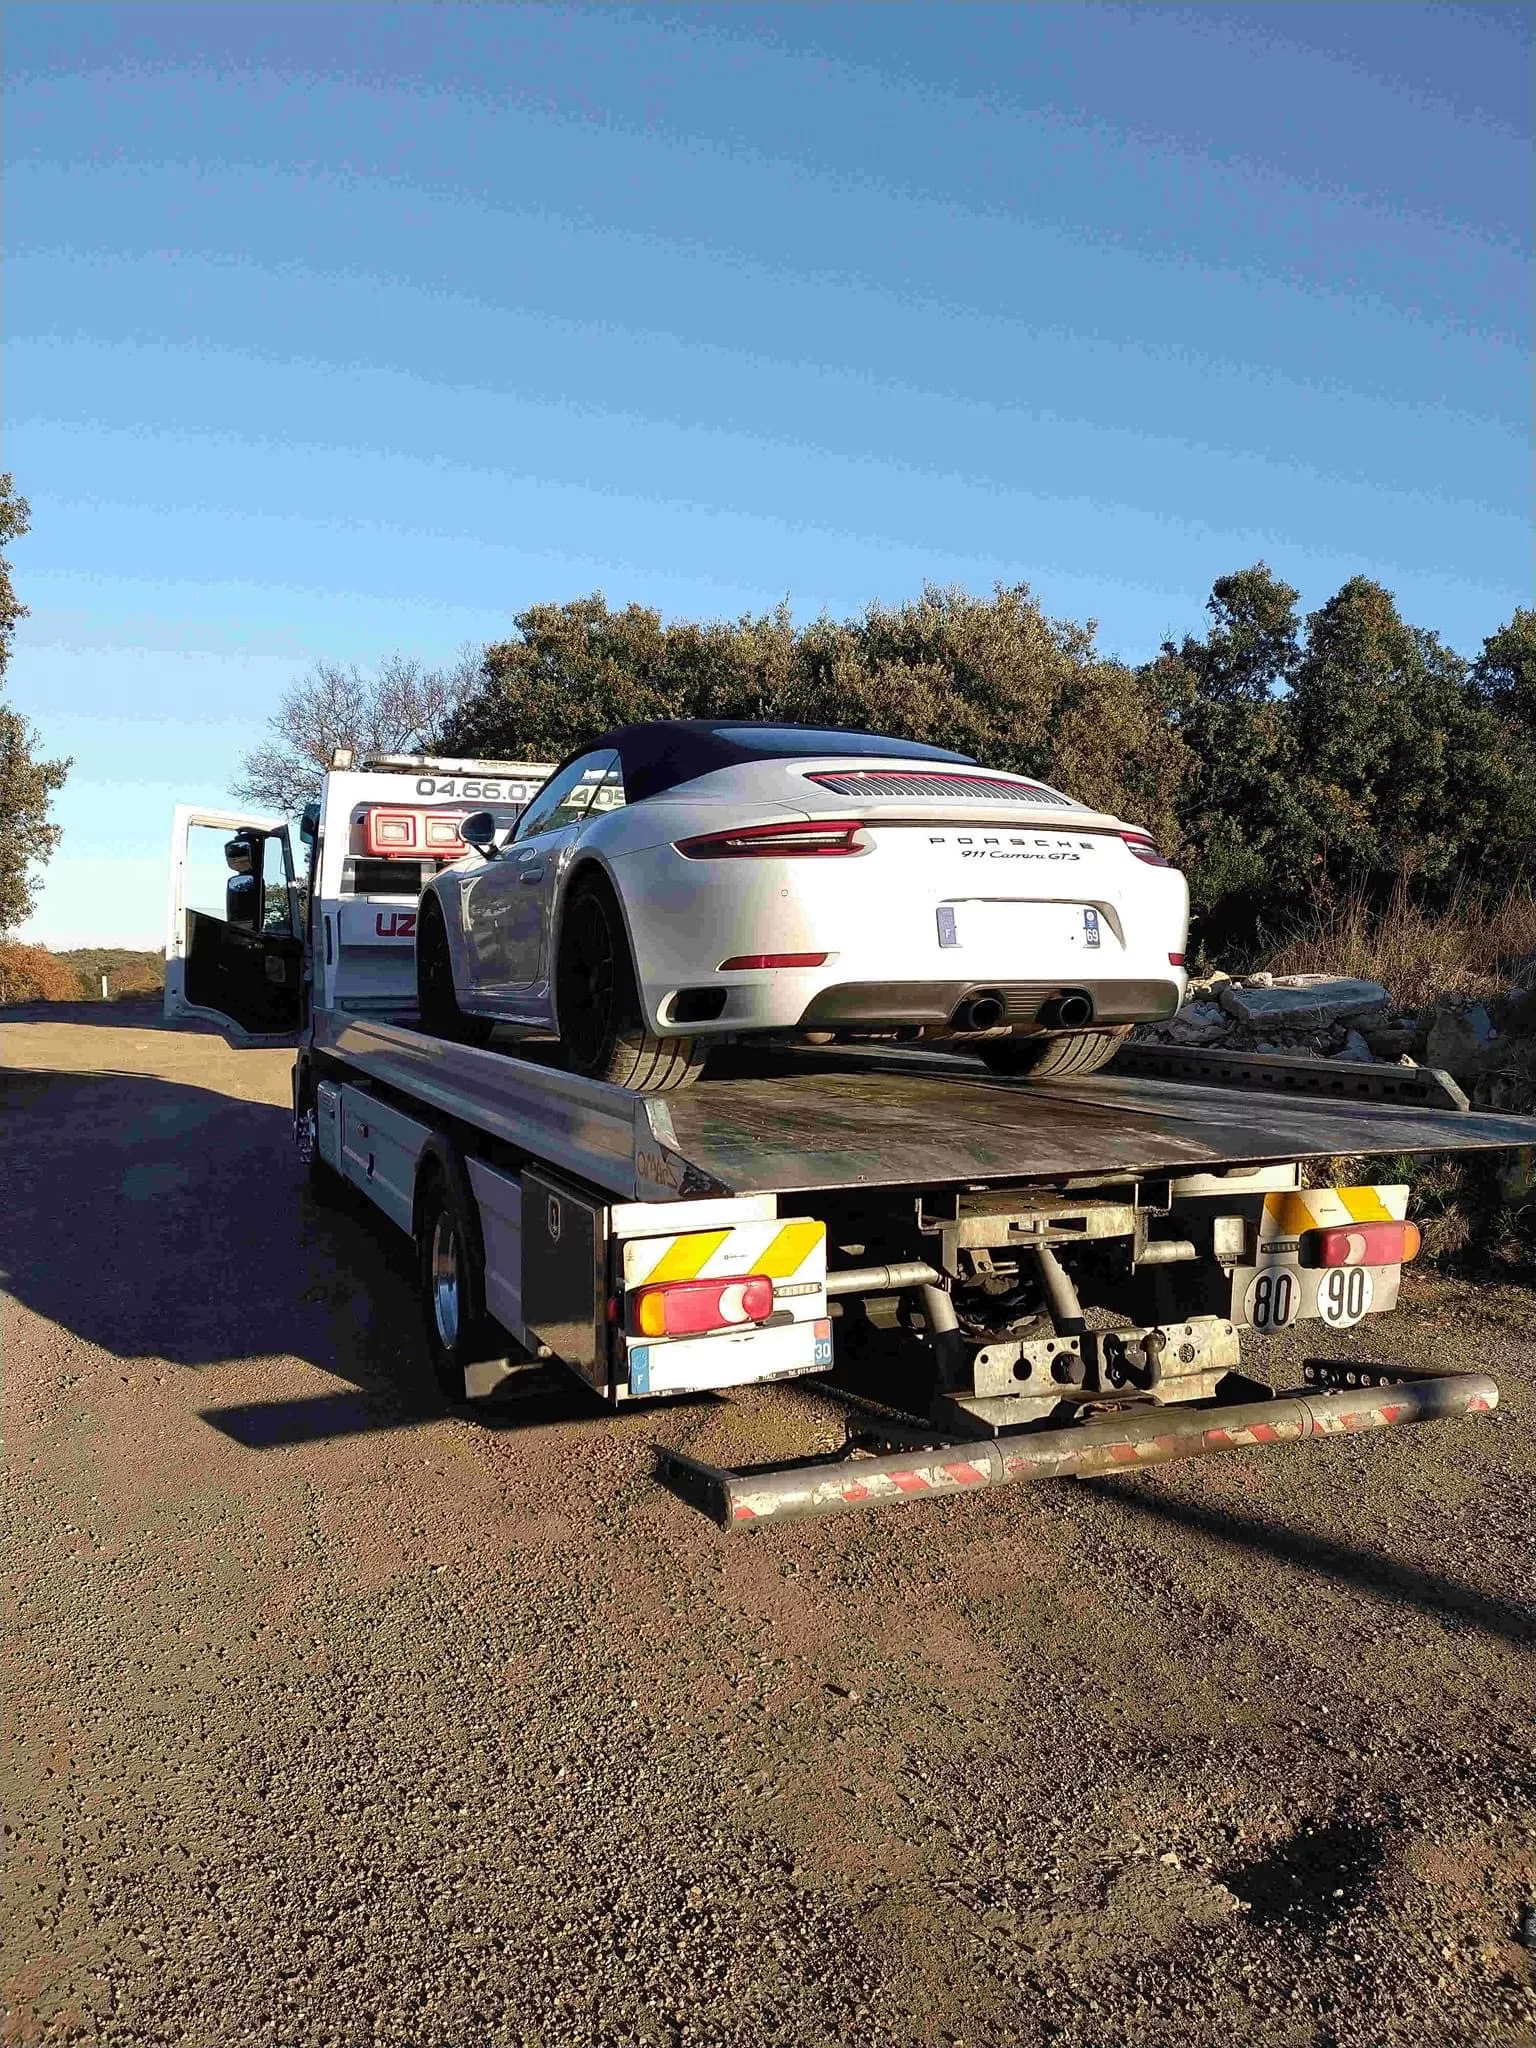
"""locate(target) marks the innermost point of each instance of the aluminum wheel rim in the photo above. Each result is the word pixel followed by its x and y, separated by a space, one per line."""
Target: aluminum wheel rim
pixel 445 1281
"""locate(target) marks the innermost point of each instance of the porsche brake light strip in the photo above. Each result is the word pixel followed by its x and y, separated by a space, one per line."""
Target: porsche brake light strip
pixel 793 839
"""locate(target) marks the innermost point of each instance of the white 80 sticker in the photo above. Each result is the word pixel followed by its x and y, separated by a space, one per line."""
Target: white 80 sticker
pixel 1273 1301
pixel 1344 1295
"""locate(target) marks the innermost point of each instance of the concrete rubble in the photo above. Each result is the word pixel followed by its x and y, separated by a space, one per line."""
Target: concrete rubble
pixel 1304 1002
pixel 1488 1046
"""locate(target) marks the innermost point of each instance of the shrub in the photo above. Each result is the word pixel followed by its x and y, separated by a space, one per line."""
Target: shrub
pixel 31 974
pixel 1474 947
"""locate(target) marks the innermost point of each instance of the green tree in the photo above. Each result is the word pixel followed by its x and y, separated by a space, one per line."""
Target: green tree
pixel 27 784
pixel 1226 695
pixel 1403 773
pixel 1504 674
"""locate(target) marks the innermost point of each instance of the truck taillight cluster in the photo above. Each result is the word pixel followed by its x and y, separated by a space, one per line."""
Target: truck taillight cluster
pixel 390 833
pixel 689 1308
pixel 1360 1244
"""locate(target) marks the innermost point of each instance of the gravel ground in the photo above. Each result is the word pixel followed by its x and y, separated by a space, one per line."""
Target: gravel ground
pixel 337 1719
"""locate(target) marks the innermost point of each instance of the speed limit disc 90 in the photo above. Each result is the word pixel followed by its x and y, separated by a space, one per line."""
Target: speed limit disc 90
pixel 1344 1295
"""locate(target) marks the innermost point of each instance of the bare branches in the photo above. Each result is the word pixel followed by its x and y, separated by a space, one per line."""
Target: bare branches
pixel 400 709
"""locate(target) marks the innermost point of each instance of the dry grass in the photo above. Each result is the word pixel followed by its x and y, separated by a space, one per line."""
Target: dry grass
pixel 1475 947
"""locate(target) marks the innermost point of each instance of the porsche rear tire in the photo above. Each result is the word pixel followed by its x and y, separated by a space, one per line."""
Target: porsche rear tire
pixel 597 1003
pixel 437 1000
pixel 1070 1054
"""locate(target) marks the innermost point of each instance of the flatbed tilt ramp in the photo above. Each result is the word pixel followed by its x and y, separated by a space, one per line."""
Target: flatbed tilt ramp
pixel 790 1122
pixel 833 1123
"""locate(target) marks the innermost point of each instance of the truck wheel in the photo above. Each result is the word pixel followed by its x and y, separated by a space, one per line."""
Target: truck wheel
pixel 437 1000
pixel 597 1004
pixel 451 1272
pixel 325 1183
pixel 1050 1059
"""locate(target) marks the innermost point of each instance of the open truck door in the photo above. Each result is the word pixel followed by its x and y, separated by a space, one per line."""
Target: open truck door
pixel 234 949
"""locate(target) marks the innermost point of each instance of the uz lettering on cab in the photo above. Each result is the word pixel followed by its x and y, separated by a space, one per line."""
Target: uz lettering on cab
pixel 395 924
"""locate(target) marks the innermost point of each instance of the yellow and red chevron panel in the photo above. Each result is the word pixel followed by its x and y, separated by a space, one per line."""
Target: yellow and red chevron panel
pixel 792 1254
pixel 1288 1214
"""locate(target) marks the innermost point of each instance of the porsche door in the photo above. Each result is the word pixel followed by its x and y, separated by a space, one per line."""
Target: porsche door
pixel 234 954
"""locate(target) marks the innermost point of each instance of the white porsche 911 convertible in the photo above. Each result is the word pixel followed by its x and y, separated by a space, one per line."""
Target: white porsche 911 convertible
pixel 684 882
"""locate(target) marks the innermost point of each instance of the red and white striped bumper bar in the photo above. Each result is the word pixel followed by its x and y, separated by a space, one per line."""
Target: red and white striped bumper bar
pixel 1344 1399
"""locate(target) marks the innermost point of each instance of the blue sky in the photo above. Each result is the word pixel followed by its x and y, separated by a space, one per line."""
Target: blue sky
pixel 336 329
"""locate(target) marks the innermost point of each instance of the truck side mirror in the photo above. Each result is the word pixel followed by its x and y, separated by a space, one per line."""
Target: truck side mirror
pixel 242 892
pixel 242 902
pixel 479 831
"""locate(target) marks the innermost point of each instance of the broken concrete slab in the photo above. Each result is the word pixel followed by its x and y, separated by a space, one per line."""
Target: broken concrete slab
pixel 1199 1023
pixel 1306 1002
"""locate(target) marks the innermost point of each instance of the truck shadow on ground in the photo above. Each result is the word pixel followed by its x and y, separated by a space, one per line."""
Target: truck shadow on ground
pixel 158 1221
pixel 117 1013
pixel 1373 1571
pixel 162 1221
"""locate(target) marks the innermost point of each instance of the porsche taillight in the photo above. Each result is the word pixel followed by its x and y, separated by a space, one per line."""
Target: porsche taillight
pixel 792 839
pixel 1144 846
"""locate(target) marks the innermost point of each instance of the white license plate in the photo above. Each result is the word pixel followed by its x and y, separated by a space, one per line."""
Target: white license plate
pixel 985 923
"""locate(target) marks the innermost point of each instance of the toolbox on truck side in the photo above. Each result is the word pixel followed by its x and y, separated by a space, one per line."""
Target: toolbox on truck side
pixel 1070 1267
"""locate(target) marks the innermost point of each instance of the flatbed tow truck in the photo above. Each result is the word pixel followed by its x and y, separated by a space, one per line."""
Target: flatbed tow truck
pixel 1001 1280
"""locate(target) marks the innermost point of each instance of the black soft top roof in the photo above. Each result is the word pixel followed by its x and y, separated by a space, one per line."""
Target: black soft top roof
pixel 664 752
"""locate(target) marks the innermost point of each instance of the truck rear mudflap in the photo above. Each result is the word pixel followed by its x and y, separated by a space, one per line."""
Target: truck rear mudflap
pixel 1341 1398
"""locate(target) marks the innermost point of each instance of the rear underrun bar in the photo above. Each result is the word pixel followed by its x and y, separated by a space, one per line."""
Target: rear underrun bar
pixel 1121 1443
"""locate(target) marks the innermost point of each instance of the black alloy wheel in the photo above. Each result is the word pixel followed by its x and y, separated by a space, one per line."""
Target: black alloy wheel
pixel 587 991
pixel 597 1002
pixel 437 1001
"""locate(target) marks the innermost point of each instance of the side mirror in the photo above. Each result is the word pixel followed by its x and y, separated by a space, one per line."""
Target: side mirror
pixel 242 892
pixel 242 902
pixel 479 831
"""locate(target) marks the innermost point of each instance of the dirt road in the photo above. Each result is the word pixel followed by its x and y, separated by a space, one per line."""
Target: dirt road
pixel 336 1719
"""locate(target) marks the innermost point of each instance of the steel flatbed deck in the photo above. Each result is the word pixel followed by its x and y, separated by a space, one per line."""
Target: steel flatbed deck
pixel 786 1122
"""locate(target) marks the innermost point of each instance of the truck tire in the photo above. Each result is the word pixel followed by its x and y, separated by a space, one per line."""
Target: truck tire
pixel 437 1000
pixel 450 1266
pixel 1069 1053
pixel 324 1182
pixel 597 1003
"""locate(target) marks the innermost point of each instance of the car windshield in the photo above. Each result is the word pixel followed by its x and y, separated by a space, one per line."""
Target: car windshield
pixel 788 741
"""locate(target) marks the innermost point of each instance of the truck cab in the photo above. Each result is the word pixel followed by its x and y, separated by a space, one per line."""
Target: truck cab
pixel 266 926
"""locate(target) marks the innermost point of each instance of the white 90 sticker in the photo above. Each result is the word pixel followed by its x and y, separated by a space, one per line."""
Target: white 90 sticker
pixel 1344 1295
pixel 1273 1300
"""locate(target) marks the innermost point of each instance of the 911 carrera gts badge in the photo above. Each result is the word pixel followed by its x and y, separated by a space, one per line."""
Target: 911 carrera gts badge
pixel 1090 928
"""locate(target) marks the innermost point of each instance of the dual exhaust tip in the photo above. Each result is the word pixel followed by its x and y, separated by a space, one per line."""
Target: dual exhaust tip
pixel 987 1011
